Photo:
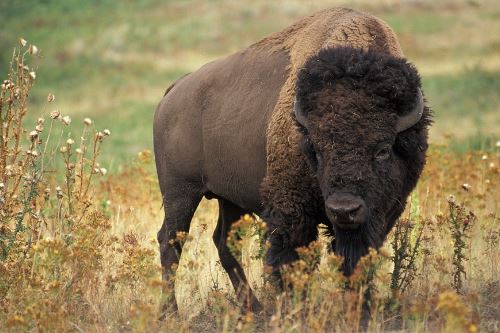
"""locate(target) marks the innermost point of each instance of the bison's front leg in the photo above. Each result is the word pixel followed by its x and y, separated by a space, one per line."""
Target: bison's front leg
pixel 228 214
pixel 284 239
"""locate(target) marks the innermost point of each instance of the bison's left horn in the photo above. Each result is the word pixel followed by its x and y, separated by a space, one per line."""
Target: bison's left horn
pixel 407 121
pixel 297 110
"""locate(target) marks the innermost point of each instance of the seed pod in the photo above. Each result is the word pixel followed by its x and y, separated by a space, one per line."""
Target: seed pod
pixel 66 120
pixel 33 135
pixel 55 114
pixel 33 49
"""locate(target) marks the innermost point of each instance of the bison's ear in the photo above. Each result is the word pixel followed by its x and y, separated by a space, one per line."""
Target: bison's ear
pixel 298 112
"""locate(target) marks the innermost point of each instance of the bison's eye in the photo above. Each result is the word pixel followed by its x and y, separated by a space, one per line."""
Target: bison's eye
pixel 383 153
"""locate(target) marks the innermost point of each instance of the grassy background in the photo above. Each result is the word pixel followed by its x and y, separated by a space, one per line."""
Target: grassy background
pixel 112 60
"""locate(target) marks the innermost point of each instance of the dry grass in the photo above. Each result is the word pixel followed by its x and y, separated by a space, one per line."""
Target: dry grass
pixel 78 248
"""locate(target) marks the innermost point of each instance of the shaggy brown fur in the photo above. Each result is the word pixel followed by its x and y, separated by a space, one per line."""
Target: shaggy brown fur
pixel 351 106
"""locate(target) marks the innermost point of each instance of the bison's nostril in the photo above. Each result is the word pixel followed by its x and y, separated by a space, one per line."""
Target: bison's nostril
pixel 346 209
pixel 353 213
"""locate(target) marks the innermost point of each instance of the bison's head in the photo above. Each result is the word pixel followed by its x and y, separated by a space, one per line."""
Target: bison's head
pixel 364 135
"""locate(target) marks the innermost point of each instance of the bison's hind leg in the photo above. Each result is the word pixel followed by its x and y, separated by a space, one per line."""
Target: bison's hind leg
pixel 228 214
pixel 180 202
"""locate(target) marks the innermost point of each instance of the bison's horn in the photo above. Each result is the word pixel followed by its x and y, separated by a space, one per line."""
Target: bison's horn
pixel 297 110
pixel 407 121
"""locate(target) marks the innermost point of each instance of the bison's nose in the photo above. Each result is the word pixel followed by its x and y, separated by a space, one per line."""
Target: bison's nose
pixel 346 210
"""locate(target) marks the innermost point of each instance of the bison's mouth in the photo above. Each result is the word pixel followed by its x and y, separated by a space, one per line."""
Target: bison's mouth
pixel 352 244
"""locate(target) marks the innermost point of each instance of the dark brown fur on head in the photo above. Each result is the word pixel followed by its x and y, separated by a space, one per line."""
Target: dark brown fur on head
pixel 351 100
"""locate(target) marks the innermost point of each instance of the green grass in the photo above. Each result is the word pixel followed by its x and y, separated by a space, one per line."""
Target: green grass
pixel 477 141
pixel 471 95
pixel 422 24
pixel 112 60
pixel 472 91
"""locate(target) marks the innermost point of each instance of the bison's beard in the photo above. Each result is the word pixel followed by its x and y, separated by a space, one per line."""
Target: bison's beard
pixel 354 244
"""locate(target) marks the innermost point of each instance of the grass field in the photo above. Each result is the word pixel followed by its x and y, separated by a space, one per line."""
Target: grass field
pixel 112 60
pixel 84 257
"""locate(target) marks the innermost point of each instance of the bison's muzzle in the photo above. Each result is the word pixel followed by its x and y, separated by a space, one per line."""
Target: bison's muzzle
pixel 346 210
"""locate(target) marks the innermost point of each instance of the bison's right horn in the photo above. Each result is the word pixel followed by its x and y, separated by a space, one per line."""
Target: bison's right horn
pixel 407 121
pixel 297 110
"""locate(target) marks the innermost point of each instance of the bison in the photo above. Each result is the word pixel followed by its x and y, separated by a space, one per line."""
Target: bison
pixel 321 123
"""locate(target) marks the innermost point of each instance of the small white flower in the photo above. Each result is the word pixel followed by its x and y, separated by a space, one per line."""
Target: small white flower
pixel 33 75
pixel 107 132
pixel 2 185
pixel 63 149
pixel 39 128
pixel 451 198
pixel 103 171
pixel 87 121
pixel 22 42
pixel 33 49
pixel 51 97
pixel 40 120
pixel 78 151
pixel 497 144
pixel 484 157
pixel 59 192
pixel 66 120
pixel 70 141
